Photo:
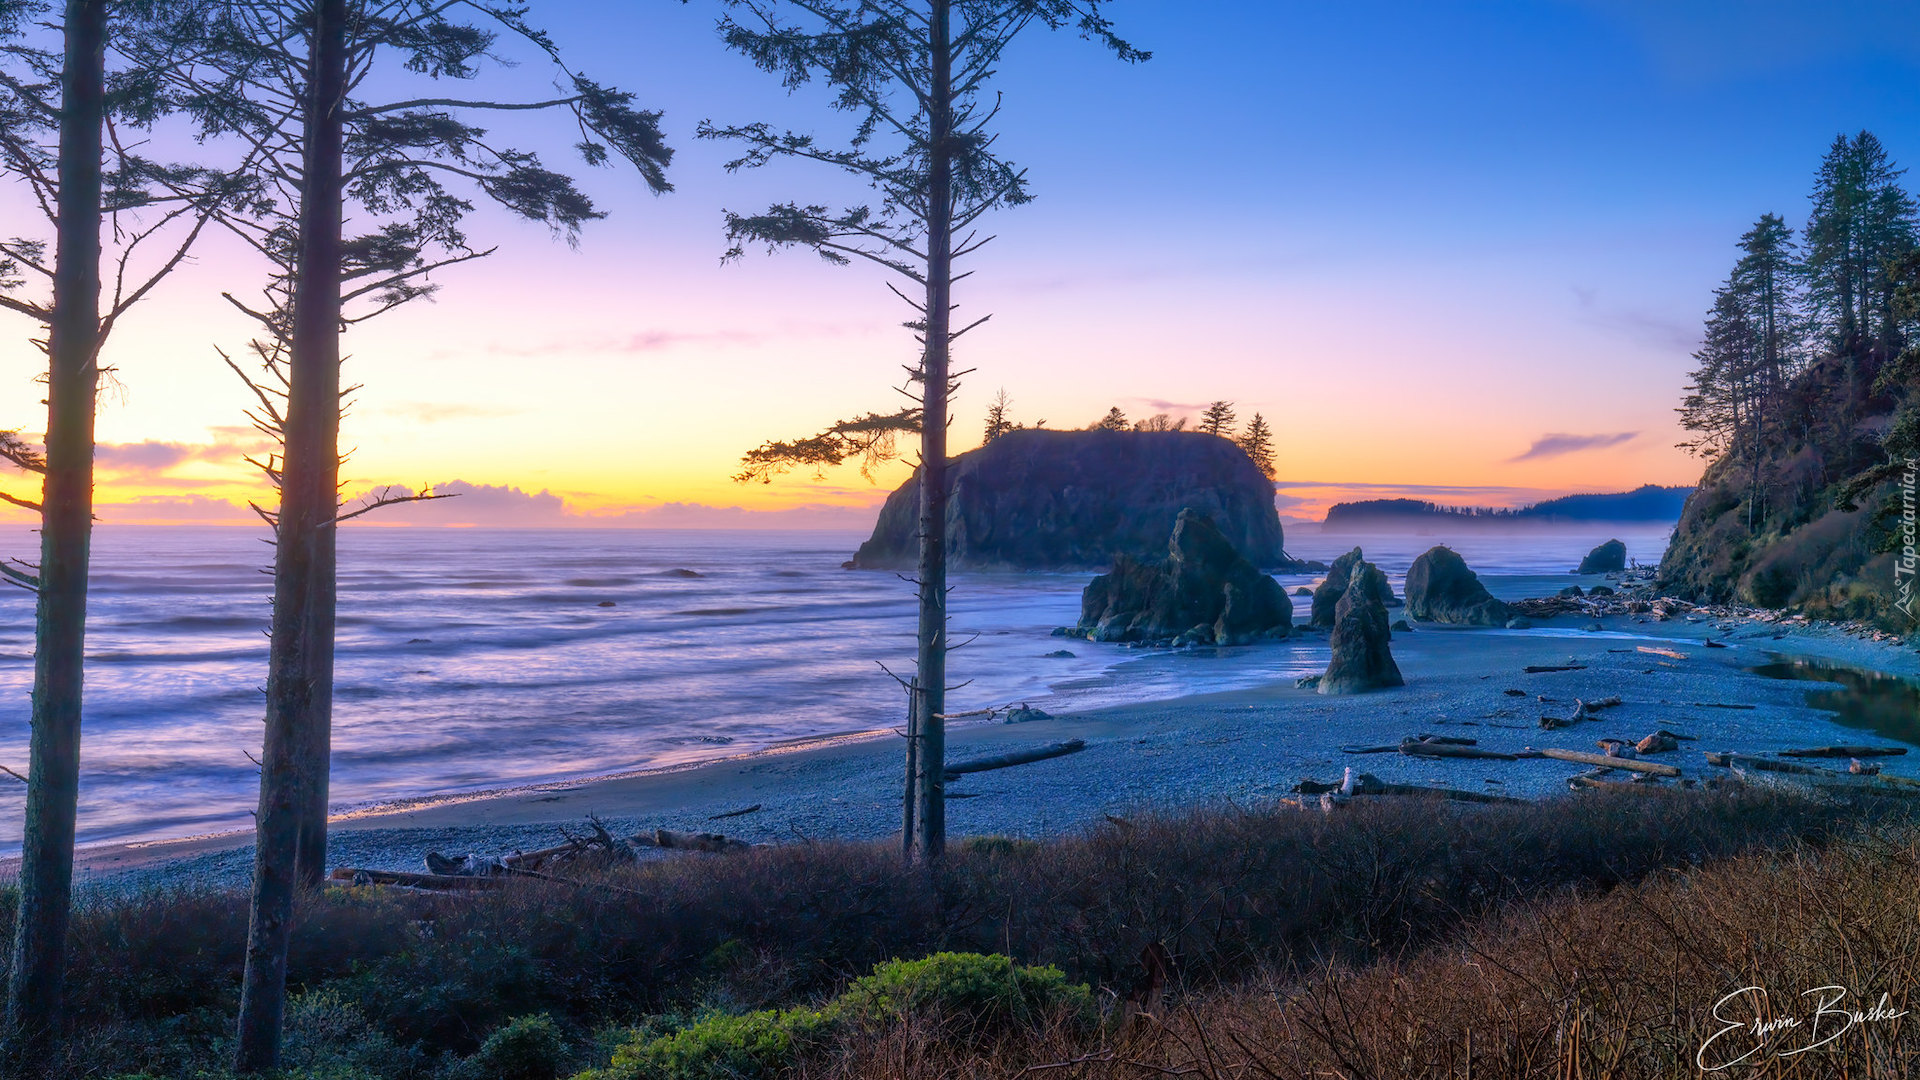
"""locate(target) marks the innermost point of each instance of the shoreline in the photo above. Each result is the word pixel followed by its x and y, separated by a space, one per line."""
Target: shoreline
pixel 1233 745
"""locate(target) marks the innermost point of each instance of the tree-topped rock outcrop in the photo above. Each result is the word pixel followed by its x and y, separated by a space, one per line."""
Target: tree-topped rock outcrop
pixel 1608 558
pixel 1035 499
pixel 1440 588
pixel 1205 592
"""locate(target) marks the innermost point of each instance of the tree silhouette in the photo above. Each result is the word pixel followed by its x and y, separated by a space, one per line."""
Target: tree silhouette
pixel 1257 441
pixel 99 194
pixel 288 77
pixel 1115 420
pixel 1218 419
pixel 997 422
pixel 917 75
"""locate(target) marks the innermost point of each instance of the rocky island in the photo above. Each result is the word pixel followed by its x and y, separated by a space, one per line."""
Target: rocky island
pixel 1035 499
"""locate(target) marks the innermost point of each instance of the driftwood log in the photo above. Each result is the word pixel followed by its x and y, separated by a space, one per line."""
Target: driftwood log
pixel 1845 751
pixel 1422 748
pixel 1602 760
pixel 1022 757
pixel 437 882
pixel 1541 669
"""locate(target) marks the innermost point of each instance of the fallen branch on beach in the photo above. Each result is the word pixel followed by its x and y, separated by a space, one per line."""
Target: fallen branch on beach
pixel 1845 751
pixel 436 882
pixel 1423 748
pixel 1022 757
pixel 754 809
pixel 1608 762
pixel 1541 669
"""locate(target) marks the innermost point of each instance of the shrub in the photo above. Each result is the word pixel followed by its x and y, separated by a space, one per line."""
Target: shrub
pixel 966 996
pixel 978 993
pixel 527 1048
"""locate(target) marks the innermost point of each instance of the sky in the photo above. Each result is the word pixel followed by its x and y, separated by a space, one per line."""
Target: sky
pixel 1459 251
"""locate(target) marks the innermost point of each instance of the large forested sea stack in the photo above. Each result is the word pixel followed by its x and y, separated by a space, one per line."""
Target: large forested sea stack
pixel 1051 500
pixel 1806 405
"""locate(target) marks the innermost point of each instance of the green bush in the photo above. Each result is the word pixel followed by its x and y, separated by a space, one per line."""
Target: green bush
pixel 527 1048
pixel 978 993
pixel 758 1044
pixel 973 994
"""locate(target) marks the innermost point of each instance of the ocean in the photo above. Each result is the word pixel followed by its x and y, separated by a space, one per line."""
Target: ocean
pixel 472 659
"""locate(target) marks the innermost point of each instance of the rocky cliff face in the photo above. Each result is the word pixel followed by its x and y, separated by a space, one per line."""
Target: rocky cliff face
pixel 1049 500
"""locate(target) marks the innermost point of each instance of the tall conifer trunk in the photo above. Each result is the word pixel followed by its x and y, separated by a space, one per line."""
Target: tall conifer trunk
pixel 293 778
pixel 932 676
pixel 66 530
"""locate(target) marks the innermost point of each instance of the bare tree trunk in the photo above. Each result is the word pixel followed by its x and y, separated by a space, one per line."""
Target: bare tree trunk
pixel 66 531
pixel 293 776
pixel 932 675
pixel 913 770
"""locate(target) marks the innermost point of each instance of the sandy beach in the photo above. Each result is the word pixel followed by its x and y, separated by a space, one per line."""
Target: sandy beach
pixel 1242 747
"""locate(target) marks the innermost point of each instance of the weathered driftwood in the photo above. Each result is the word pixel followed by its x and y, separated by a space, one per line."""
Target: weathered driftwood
pixel 1449 740
pixel 684 841
pixel 1453 794
pixel 1846 751
pixel 754 809
pixel 1540 669
pixel 1585 709
pixel 1672 654
pixel 1389 748
pixel 1605 761
pixel 439 882
pixel 1729 760
pixel 1597 783
pixel 1719 705
pixel 1021 757
pixel 1417 748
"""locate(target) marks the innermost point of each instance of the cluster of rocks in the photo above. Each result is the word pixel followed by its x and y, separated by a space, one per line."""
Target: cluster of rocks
pixel 1205 592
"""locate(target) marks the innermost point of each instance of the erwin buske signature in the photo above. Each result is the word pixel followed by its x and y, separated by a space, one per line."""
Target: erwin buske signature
pixel 1736 1041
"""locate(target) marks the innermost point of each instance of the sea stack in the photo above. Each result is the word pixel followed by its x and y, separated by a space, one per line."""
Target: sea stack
pixel 1204 593
pixel 1440 588
pixel 1362 660
pixel 1608 558
pixel 1327 596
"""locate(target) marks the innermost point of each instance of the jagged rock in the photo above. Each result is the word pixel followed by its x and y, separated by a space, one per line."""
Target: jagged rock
pixel 1440 588
pixel 1605 559
pixel 1600 590
pixel 1038 500
pixel 1572 590
pixel 1328 594
pixel 1303 591
pixel 1058 654
pixel 1361 660
pixel 1401 626
pixel 1204 592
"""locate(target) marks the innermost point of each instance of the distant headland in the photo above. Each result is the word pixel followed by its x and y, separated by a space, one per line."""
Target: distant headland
pixel 1649 503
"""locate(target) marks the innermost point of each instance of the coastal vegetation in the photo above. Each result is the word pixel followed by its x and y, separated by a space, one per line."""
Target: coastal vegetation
pixel 1272 940
pixel 1647 503
pixel 1806 404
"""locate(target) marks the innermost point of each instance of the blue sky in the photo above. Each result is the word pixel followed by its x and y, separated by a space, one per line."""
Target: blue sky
pixel 1422 238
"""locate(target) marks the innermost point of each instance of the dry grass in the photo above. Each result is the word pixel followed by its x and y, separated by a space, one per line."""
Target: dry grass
pixel 1388 930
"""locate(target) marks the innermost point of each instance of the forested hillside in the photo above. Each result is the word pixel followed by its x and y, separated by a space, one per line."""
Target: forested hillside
pixel 1806 405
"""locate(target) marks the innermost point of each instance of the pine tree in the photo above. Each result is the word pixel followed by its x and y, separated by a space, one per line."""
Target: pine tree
pixel 99 196
pixel 1257 441
pixel 1862 221
pixel 997 422
pixel 918 76
pixel 1115 420
pixel 1218 419
pixel 291 76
